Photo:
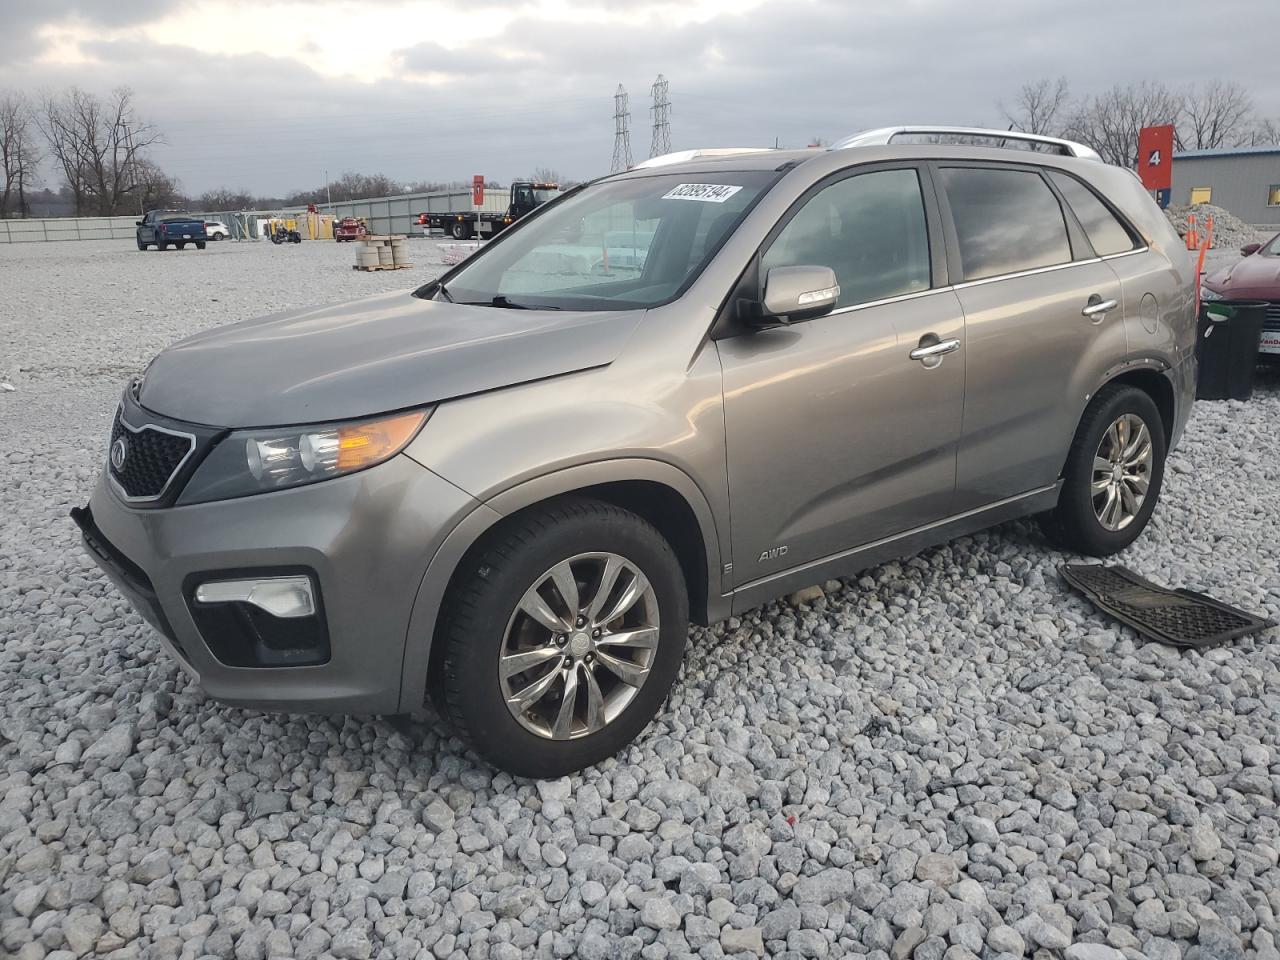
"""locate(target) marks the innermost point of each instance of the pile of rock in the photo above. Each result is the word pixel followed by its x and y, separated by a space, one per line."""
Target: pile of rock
pixel 1229 231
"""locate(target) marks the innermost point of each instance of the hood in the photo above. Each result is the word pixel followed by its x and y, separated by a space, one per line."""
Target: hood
pixel 1255 277
pixel 368 357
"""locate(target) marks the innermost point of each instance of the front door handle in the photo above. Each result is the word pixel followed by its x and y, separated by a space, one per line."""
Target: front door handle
pixel 1097 308
pixel 931 354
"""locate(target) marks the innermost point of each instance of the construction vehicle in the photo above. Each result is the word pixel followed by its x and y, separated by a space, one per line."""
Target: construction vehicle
pixel 465 224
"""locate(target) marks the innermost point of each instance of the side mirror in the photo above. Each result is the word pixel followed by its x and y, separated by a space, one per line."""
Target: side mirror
pixel 1249 249
pixel 141 223
pixel 793 294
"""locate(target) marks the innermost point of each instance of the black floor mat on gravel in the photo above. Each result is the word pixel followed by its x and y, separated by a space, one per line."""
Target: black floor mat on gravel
pixel 1180 618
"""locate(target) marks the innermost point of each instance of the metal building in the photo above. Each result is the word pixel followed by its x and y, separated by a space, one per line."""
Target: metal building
pixel 1243 180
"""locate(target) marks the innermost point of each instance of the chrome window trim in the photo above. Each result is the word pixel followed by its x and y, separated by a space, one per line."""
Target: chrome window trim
pixel 974 283
pixel 191 448
pixel 915 295
pixel 1026 273
pixel 1126 253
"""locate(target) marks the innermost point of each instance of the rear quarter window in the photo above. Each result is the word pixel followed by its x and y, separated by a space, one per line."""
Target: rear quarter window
pixel 1106 233
pixel 1006 221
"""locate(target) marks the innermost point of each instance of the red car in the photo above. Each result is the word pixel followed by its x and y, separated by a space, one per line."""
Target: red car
pixel 1256 277
pixel 349 228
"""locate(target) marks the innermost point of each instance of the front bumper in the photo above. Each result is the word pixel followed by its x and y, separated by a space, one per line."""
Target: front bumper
pixel 366 538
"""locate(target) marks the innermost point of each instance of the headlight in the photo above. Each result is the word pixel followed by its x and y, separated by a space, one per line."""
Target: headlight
pixel 1206 294
pixel 258 461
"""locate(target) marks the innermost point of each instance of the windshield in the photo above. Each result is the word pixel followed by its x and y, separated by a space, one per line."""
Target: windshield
pixel 542 196
pixel 615 245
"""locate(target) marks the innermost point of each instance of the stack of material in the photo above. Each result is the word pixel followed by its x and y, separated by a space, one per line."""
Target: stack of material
pixel 382 253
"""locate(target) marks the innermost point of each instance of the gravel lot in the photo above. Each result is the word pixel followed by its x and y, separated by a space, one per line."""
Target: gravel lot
pixel 947 757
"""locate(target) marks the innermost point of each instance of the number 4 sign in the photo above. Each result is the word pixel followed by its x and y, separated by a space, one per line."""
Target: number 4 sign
pixel 1155 157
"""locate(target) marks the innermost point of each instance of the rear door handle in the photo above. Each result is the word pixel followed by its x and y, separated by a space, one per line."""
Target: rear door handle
pixel 934 351
pixel 1097 308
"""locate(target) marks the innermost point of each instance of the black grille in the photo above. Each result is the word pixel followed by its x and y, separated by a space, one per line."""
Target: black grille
pixel 150 458
pixel 1272 321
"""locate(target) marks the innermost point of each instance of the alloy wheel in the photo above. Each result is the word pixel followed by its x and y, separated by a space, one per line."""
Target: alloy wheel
pixel 1121 472
pixel 579 646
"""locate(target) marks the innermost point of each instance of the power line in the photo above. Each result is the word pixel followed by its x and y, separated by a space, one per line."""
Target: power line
pixel 621 131
pixel 661 110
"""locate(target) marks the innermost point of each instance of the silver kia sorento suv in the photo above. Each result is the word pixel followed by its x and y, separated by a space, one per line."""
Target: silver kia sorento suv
pixel 671 394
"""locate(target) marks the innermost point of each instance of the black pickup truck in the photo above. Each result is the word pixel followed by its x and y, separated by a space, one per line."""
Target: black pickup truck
pixel 467 223
pixel 165 227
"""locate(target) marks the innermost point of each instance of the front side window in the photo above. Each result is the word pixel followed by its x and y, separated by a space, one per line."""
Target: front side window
pixel 1107 234
pixel 1006 221
pixel 870 229
pixel 620 244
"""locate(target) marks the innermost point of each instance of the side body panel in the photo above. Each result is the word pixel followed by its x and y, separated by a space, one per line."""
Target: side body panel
pixel 1033 362
pixel 835 436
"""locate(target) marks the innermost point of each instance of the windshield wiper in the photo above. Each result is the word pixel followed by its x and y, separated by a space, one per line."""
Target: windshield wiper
pixel 504 303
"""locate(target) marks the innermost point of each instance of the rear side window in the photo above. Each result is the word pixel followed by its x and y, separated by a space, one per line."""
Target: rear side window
pixel 1107 234
pixel 870 229
pixel 1006 221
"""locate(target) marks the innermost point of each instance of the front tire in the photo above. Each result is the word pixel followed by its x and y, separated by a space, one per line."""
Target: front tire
pixel 1113 474
pixel 562 637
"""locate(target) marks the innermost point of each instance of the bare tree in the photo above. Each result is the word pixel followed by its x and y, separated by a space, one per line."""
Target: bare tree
pixel 1263 133
pixel 1041 107
pixel 1109 122
pixel 226 199
pixel 153 189
pixel 19 153
pixel 1216 114
pixel 99 146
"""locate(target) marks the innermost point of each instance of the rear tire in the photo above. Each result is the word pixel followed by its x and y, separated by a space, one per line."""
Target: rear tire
pixel 580 663
pixel 199 244
pixel 1113 475
pixel 161 245
pixel 458 231
pixel 141 245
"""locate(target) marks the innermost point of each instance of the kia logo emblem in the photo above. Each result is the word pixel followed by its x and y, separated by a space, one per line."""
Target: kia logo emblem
pixel 119 450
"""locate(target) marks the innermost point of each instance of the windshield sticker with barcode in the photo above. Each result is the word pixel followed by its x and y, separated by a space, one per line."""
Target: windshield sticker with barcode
pixel 705 192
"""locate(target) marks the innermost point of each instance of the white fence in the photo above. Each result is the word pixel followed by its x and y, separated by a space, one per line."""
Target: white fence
pixel 67 228
pixel 386 215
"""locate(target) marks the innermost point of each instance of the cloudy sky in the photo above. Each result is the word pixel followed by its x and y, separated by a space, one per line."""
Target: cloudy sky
pixel 268 94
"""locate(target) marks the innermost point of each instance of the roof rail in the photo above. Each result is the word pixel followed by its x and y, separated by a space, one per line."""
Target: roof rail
pixel 886 135
pixel 680 156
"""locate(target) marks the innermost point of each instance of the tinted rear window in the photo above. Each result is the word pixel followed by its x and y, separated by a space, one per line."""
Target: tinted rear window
pixel 1106 233
pixel 1006 221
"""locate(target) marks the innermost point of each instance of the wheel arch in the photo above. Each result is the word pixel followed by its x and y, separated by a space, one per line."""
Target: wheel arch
pixel 1150 378
pixel 659 492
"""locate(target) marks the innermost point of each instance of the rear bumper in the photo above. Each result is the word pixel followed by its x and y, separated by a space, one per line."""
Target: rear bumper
pixel 1183 377
pixel 366 538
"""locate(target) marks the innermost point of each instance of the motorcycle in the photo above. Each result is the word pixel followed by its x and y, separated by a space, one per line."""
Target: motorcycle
pixel 282 234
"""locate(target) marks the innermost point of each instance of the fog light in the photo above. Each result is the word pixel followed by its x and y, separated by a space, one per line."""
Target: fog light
pixel 278 596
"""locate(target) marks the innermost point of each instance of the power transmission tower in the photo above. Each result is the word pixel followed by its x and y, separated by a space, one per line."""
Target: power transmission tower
pixel 621 132
pixel 661 111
